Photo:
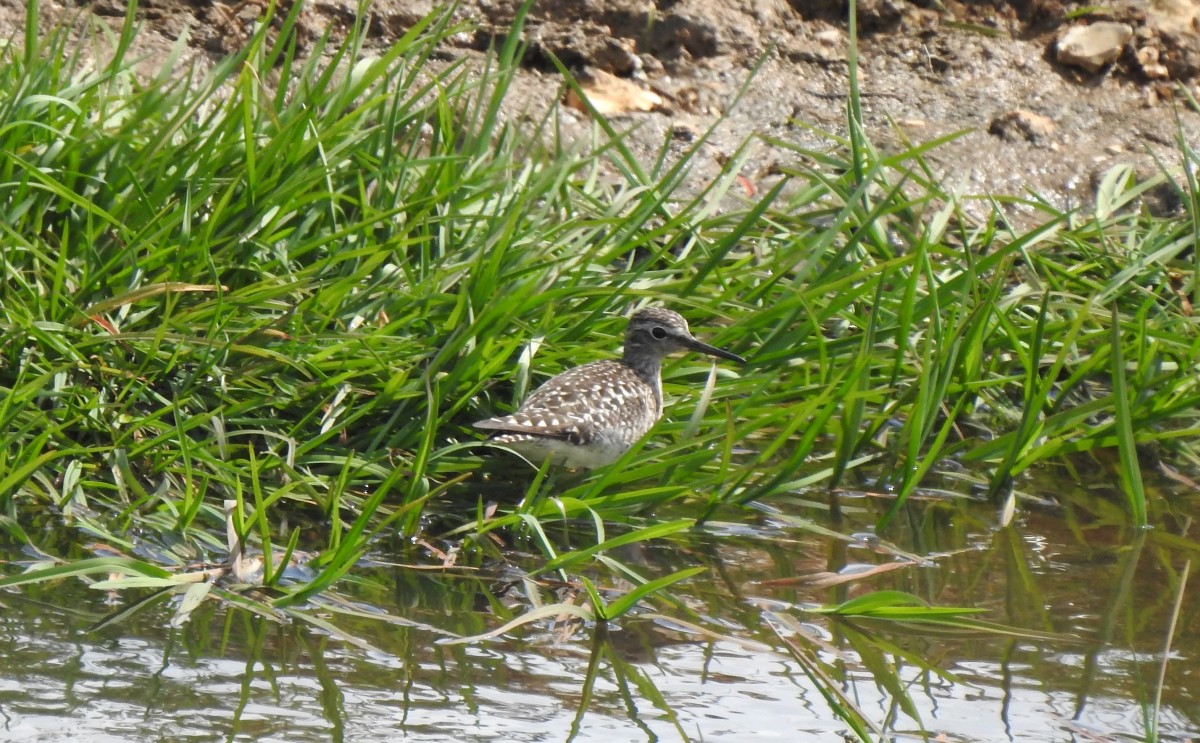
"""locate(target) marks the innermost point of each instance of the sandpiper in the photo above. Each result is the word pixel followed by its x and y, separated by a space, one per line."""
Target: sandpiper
pixel 590 415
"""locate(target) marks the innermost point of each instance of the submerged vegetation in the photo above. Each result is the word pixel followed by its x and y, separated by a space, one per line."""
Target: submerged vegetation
pixel 296 296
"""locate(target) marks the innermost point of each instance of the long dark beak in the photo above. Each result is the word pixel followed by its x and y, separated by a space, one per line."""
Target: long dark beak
pixel 703 347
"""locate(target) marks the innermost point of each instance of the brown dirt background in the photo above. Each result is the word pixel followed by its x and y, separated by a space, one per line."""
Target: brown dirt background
pixel 927 69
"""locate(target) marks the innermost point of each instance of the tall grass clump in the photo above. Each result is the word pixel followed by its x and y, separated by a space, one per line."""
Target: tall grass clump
pixel 219 285
pixel 937 335
pixel 291 280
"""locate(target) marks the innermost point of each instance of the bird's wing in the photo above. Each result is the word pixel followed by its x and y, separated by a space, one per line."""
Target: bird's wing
pixel 518 423
pixel 563 407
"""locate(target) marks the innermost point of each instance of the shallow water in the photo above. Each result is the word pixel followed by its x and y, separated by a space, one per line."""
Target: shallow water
pixel 1070 569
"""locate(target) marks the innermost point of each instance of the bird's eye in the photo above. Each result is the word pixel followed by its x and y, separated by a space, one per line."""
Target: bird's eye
pixel 658 332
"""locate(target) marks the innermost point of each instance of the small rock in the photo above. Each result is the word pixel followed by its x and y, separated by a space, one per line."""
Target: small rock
pixel 1156 72
pixel 684 131
pixel 617 57
pixel 678 33
pixel 1021 124
pixel 1094 46
pixel 611 95
pixel 650 65
pixel 1173 15
pixel 877 15
pixel 829 37
pixel 1147 59
pixel 813 50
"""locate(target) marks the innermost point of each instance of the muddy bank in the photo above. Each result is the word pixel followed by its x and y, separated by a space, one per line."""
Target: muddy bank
pixel 1033 118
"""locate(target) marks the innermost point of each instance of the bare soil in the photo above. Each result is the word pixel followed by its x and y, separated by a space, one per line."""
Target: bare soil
pixel 987 68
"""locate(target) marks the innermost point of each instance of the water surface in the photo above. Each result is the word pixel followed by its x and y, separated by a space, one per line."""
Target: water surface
pixel 1066 566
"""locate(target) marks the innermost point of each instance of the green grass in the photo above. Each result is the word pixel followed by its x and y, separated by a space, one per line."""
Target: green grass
pixel 299 297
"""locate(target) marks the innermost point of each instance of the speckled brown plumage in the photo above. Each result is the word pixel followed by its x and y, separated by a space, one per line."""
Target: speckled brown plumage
pixel 589 415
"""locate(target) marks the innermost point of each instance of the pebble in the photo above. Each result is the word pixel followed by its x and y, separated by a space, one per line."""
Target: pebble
pixel 1093 46
pixel 1022 124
